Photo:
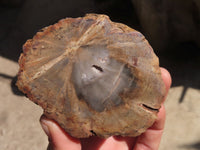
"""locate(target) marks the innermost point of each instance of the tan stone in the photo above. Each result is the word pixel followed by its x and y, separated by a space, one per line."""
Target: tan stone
pixel 93 77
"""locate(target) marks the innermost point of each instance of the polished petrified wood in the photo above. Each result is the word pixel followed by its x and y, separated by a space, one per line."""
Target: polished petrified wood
pixel 93 77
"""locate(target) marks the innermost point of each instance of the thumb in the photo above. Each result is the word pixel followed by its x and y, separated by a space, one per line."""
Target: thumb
pixel 58 138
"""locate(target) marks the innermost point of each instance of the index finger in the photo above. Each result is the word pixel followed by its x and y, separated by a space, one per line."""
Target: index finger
pixel 150 140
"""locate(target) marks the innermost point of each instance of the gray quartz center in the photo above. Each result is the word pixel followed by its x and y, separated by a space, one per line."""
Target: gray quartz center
pixel 98 79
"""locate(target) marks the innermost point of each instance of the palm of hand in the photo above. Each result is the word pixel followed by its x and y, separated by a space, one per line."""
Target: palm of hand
pixel 150 140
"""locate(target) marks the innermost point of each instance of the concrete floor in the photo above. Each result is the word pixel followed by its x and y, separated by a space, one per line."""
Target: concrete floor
pixel 20 128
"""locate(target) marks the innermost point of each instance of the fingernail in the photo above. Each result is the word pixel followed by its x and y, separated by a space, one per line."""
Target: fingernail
pixel 44 123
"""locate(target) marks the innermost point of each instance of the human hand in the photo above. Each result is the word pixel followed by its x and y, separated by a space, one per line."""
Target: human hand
pixel 149 140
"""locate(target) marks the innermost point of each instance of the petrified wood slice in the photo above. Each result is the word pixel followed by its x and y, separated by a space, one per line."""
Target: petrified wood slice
pixel 93 76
